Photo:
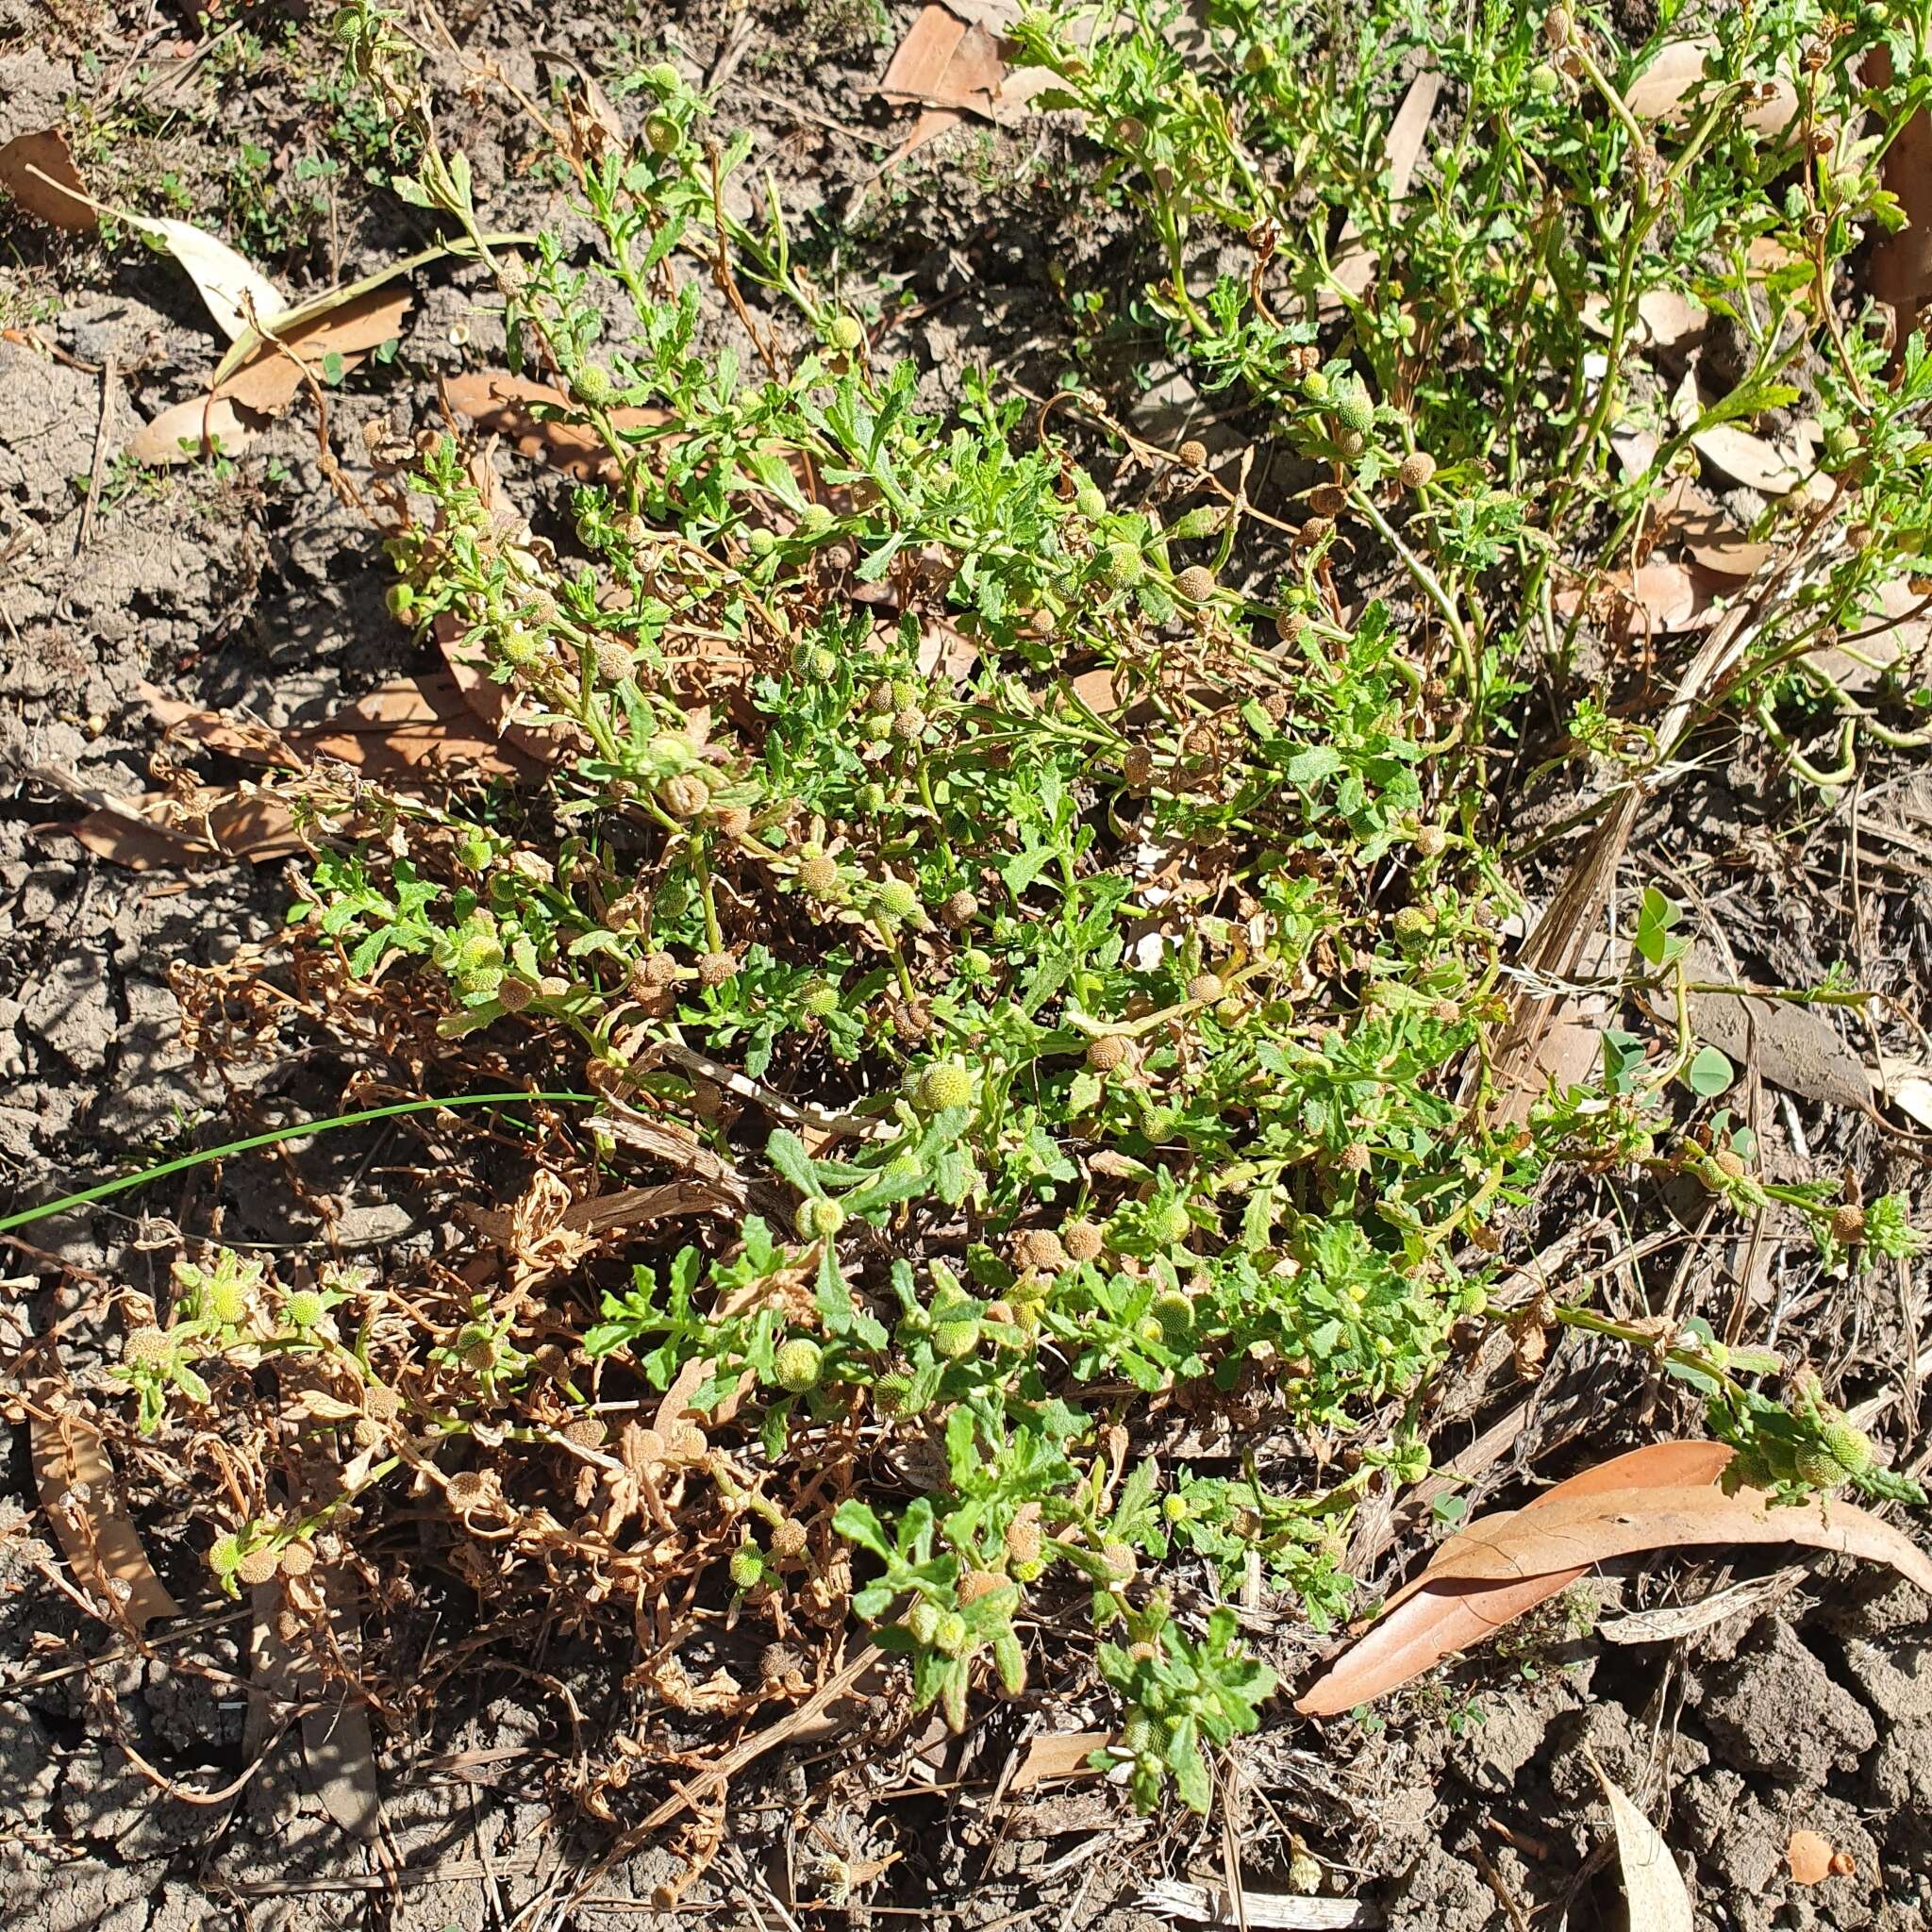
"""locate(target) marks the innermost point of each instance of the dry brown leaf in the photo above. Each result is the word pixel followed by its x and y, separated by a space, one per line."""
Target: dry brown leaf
pixel 268 380
pixel 408 727
pixel 203 426
pixel 1653 1886
pixel 1912 1096
pixel 340 1752
pixel 1062 1754
pixel 501 403
pixel 138 843
pixel 468 664
pixel 148 833
pixel 236 293
pixel 1666 87
pixel 1658 598
pixel 948 67
pixel 1671 1623
pixel 78 1485
pixel 1428 1619
pixel 1672 321
pixel 1900 628
pixel 1355 266
pixel 38 171
pixel 1807 1857
pixel 1750 459
pixel 1589 1530
pixel 1901 268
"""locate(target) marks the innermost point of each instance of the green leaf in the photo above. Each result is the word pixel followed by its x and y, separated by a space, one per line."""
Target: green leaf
pixel 1709 1073
pixel 786 1152
pixel 857 1524
pixel 1654 918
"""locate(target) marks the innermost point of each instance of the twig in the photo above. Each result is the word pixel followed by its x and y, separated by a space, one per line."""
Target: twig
pixel 110 380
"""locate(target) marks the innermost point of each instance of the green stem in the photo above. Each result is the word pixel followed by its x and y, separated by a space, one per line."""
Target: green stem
pixel 299 1131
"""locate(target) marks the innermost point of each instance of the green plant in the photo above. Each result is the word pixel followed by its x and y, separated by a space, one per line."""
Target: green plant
pixel 995 1124
pixel 1451 338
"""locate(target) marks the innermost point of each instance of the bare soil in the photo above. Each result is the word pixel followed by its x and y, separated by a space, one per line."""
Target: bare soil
pixel 1466 1803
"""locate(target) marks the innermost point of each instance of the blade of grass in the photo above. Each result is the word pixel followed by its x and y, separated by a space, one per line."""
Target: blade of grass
pixel 299 1131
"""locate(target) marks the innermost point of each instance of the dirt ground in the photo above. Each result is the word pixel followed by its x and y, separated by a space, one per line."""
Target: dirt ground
pixel 1467 1802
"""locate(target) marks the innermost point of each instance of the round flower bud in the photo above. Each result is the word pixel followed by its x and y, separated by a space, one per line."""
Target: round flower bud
pixel 257 1566
pixel 1024 1540
pixel 818 872
pixel 976 1584
pixel 1170 1225
pixel 304 1308
pixel 1206 985
pixel 818 1220
pixel 1083 1239
pixel 897 899
pixel 845 333
pixel 944 1084
pixel 1107 1052
pixel 790 1540
pixel 1848 1225
pixel 959 909
pixel 1195 583
pixel 1040 1247
pixel 796 1365
pixel 147 1348
pixel 1415 468
pixel 592 384
pixel 1121 565
pixel 714 969
pixel 747 1566
pixel 297 1558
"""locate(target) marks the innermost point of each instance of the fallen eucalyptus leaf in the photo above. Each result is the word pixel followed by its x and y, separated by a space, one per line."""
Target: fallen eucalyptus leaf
pixel 1431 1617
pixel 201 427
pixel 271 376
pixel 38 171
pixel 1653 1886
pixel 1591 1530
pixel 76 1484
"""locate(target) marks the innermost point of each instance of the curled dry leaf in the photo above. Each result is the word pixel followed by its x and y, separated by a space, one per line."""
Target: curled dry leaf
pixel 39 171
pixel 1794 1046
pixel 150 833
pixel 507 405
pixel 1809 1857
pixel 77 1486
pixel 1671 1623
pixel 236 293
pixel 1670 85
pixel 1355 265
pixel 946 67
pixel 1058 1755
pixel 1658 598
pixel 201 427
pixel 1582 1529
pixel 1430 1618
pixel 270 378
pixel 1653 1886
pixel 1751 460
